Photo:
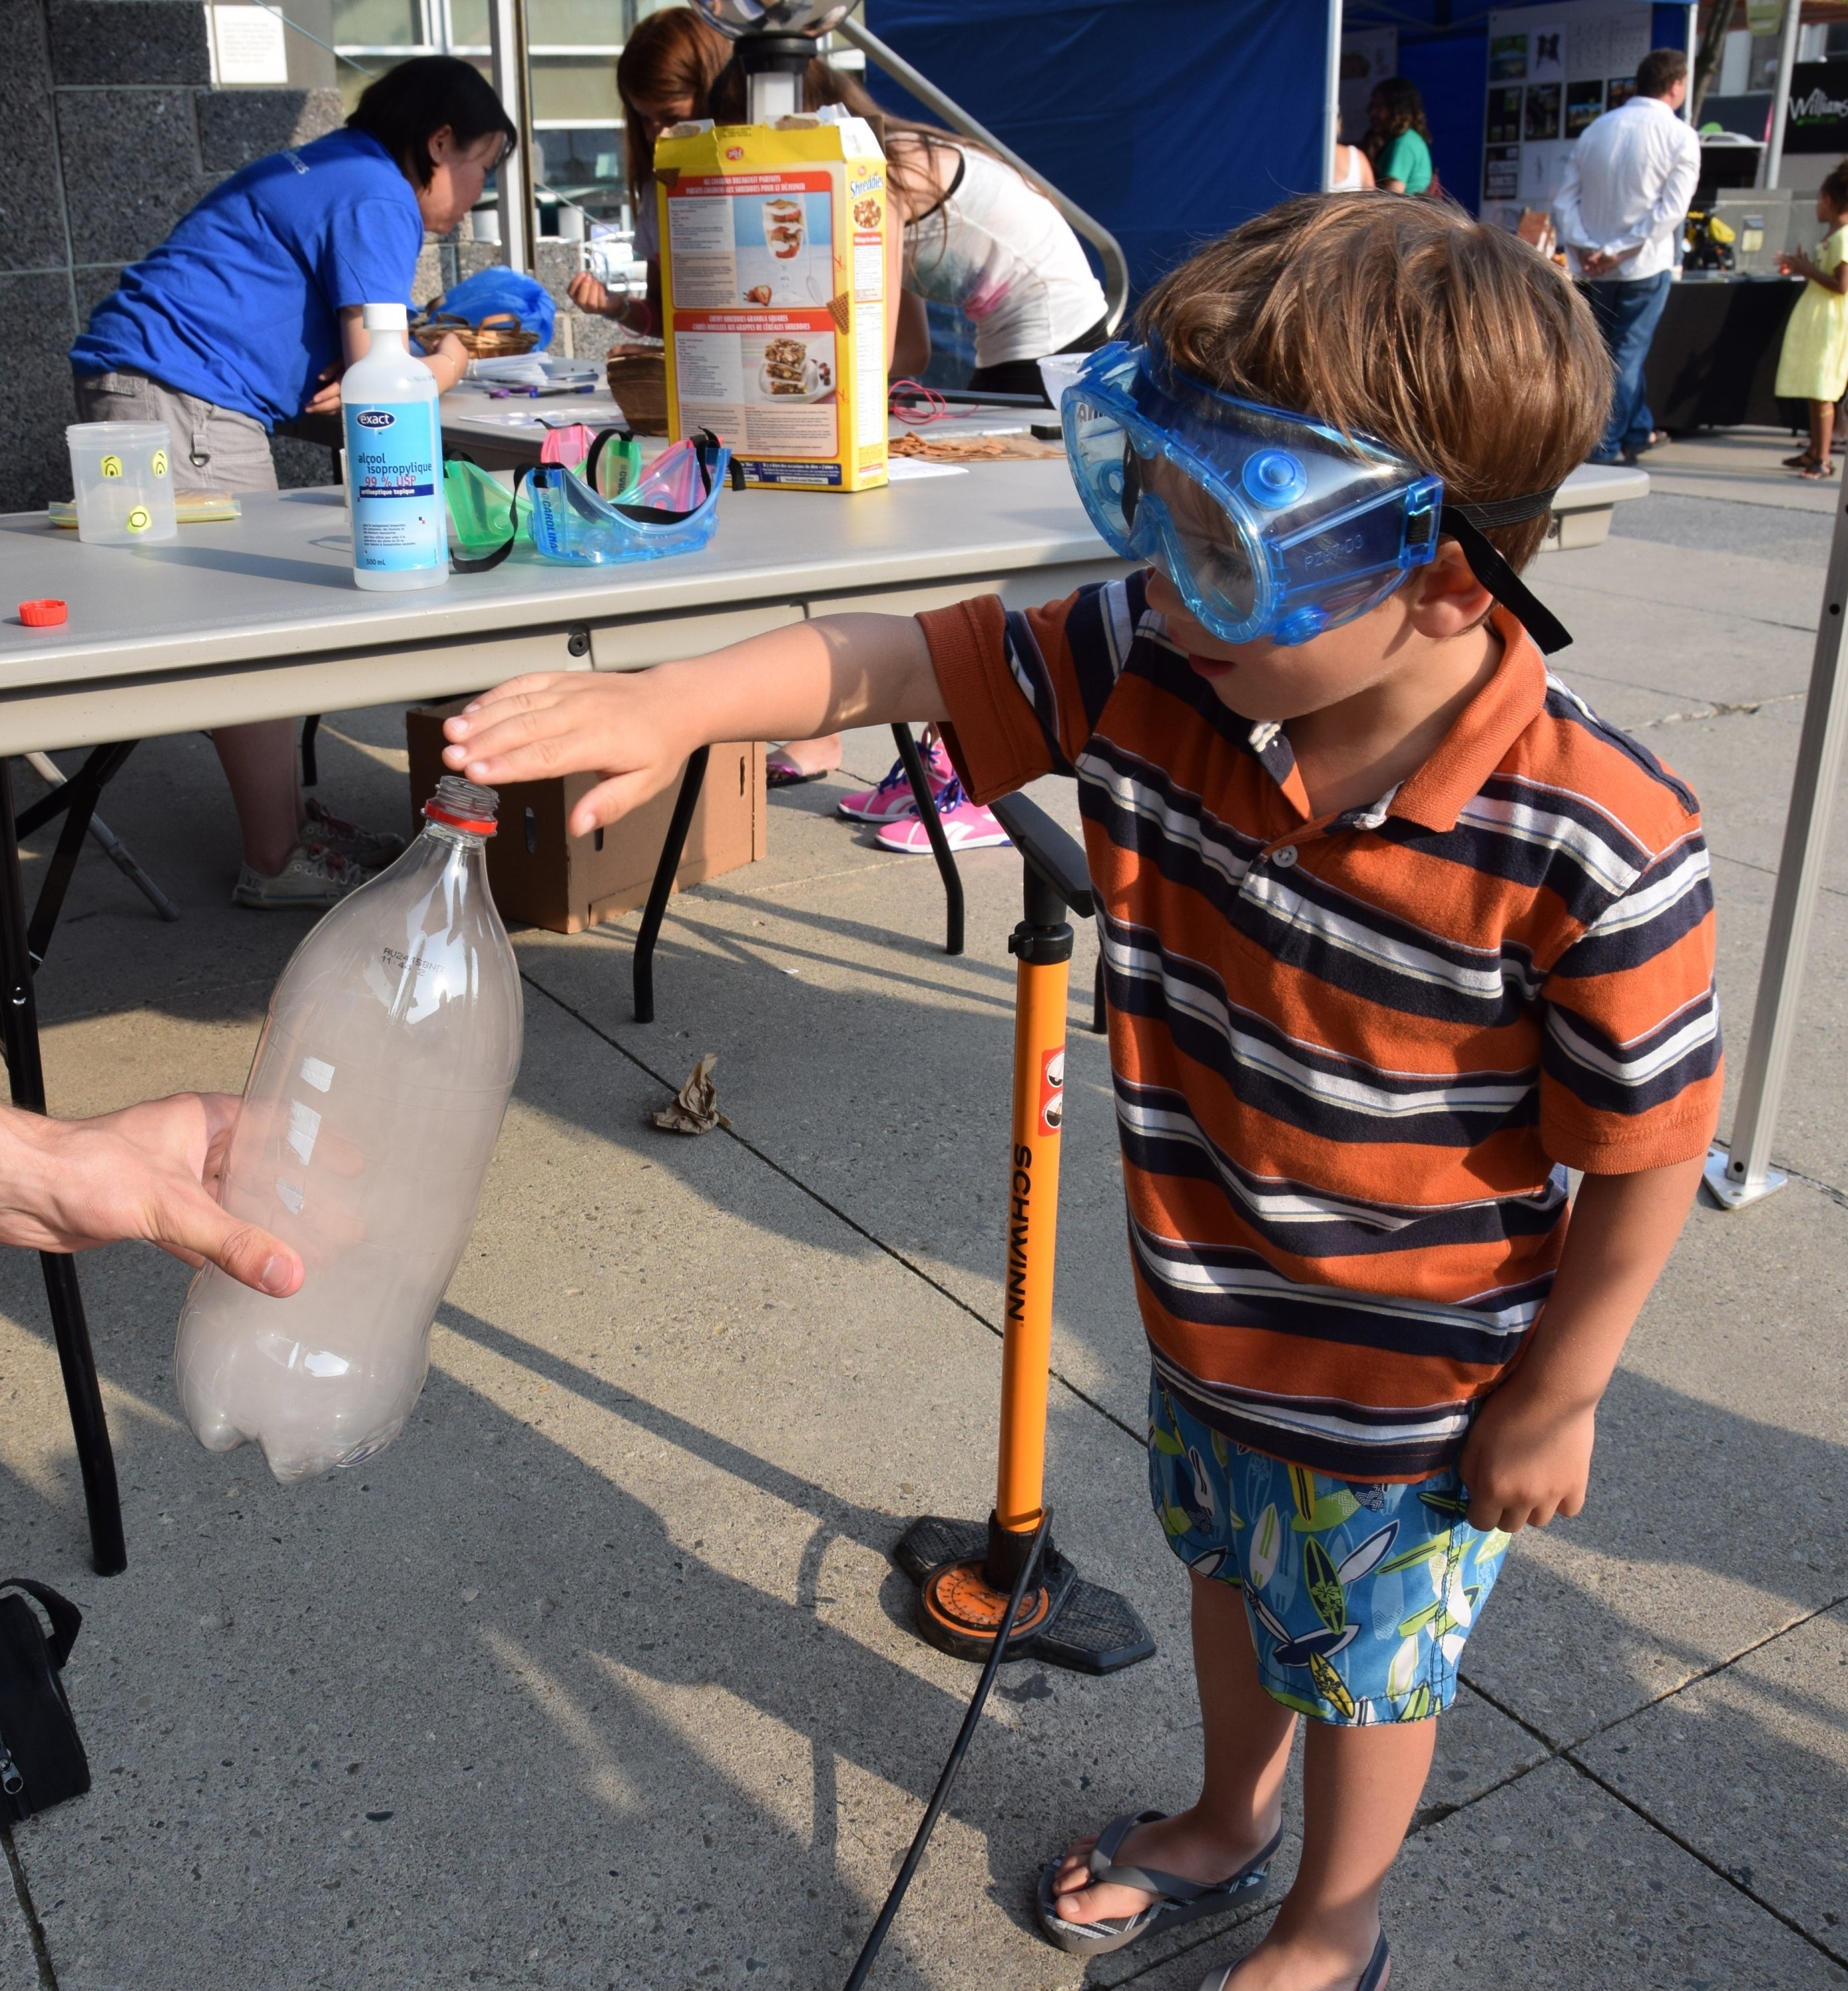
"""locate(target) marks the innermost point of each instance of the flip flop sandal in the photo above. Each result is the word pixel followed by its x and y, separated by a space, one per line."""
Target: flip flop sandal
pixel 1371 1979
pixel 1801 461
pixel 786 774
pixel 1817 471
pixel 1179 1901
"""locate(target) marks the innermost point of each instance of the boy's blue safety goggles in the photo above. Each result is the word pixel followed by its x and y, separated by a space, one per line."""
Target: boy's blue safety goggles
pixel 1270 525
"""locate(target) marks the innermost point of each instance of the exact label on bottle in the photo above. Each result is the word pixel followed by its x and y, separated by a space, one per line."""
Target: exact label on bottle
pixel 392 452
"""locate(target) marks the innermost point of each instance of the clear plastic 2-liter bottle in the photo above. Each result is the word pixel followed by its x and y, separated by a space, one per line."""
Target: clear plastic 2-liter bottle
pixel 373 1107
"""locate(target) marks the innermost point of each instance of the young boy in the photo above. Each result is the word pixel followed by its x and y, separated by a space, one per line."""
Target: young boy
pixel 1396 932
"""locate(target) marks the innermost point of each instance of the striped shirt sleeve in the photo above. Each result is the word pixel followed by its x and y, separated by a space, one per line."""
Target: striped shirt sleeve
pixel 1018 708
pixel 1630 1076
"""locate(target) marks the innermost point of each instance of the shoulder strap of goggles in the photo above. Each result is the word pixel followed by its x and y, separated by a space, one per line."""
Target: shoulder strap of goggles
pixel 1465 524
pixel 489 561
pixel 706 446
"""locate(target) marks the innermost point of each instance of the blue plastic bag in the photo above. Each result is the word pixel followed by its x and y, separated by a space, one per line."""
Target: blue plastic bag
pixel 500 289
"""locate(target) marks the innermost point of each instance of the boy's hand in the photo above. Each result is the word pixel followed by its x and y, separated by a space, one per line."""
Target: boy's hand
pixel 573 723
pixel 1528 1457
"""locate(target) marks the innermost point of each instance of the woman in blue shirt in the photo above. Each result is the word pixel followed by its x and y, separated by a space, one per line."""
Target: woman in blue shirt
pixel 245 317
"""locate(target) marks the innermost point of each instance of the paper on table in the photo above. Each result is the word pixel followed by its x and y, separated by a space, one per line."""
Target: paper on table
pixel 899 469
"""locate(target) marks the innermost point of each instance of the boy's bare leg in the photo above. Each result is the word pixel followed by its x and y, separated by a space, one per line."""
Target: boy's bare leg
pixel 1247 1738
pixel 1360 1787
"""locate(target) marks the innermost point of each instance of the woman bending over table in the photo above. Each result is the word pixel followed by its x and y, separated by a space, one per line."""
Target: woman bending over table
pixel 246 316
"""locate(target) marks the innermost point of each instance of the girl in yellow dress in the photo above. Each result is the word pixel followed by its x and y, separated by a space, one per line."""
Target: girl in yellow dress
pixel 1813 365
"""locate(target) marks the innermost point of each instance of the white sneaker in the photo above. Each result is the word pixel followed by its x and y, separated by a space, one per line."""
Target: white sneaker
pixel 312 880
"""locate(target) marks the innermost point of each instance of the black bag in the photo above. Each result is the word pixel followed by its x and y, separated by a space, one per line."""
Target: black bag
pixel 42 1760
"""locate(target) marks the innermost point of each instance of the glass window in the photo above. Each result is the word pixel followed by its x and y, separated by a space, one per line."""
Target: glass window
pixel 582 158
pixel 573 24
pixel 378 23
pixel 576 91
pixel 468 24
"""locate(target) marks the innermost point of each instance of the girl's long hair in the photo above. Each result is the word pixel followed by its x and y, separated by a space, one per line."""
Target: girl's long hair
pixel 1398 97
pixel 673 53
pixel 911 166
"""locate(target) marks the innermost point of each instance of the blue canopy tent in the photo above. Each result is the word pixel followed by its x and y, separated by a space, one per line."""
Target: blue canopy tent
pixel 1170 120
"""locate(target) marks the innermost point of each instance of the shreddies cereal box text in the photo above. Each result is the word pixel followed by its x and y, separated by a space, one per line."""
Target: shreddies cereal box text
pixel 773 271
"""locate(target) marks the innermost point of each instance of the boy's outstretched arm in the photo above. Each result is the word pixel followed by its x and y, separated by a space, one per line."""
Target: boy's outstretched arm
pixel 636 728
pixel 1528 1456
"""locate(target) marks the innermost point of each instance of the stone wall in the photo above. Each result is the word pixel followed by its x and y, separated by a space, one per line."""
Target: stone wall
pixel 109 131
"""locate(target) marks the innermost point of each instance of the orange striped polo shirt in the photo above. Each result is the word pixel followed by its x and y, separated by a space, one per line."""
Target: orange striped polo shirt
pixel 1354 1056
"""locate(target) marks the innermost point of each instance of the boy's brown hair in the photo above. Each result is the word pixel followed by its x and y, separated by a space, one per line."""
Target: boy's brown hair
pixel 1454 344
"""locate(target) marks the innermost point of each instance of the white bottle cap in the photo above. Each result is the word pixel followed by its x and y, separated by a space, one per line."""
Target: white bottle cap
pixel 385 318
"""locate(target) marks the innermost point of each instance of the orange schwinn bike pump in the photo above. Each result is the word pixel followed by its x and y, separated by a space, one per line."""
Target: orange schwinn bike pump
pixel 965 1571
pixel 1000 1590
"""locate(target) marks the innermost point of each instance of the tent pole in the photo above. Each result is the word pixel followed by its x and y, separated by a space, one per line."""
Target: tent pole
pixel 513 86
pixel 1331 97
pixel 1740 1174
pixel 1780 112
pixel 1110 251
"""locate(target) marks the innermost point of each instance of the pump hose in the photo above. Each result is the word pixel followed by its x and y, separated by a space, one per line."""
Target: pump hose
pixel 1022 1583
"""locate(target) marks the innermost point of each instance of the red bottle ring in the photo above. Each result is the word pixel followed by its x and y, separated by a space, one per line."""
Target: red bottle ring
pixel 45 615
pixel 485 827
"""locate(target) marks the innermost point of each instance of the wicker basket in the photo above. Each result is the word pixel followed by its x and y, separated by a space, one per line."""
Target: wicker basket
pixel 499 336
pixel 637 377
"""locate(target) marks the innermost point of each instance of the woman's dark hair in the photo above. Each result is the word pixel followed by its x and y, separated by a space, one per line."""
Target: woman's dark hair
pixel 409 104
pixel 1402 109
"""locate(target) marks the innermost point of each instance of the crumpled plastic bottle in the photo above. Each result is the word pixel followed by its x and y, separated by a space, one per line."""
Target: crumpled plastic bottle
pixel 372 1111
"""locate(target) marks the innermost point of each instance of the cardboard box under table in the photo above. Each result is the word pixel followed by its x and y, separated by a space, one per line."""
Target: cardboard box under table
pixel 542 877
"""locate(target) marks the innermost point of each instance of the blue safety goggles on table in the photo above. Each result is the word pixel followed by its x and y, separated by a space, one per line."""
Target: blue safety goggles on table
pixel 668 506
pixel 1269 524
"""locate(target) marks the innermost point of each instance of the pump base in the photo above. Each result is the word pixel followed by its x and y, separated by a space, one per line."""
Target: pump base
pixel 1065 1622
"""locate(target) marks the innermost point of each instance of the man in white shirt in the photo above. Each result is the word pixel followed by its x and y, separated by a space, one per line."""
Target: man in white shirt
pixel 1621 202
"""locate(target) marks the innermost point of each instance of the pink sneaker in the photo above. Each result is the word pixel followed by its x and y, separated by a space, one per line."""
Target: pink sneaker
pixel 892 799
pixel 966 825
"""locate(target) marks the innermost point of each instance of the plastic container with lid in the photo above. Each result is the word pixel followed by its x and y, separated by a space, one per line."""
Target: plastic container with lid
pixel 122 474
pixel 371 1109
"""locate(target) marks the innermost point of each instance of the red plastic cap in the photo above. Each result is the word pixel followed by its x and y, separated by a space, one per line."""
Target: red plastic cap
pixel 43 614
pixel 451 820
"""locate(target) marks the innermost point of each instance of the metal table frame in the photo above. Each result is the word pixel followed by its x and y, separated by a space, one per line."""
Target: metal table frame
pixel 1003 528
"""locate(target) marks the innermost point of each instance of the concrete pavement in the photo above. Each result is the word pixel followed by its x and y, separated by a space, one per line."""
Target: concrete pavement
pixel 600 1675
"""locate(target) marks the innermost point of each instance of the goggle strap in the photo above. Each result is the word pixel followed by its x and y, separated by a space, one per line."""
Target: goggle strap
pixel 1459 523
pixel 489 561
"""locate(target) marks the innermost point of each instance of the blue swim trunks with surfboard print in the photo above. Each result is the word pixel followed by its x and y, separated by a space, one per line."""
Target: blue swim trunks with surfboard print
pixel 1359 1596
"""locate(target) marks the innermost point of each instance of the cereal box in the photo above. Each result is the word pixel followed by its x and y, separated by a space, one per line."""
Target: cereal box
pixel 773 274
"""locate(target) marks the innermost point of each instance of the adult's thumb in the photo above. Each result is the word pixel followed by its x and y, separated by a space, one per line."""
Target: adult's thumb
pixel 249 1253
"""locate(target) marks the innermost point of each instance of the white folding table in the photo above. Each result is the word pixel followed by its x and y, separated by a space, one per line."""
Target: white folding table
pixel 258 619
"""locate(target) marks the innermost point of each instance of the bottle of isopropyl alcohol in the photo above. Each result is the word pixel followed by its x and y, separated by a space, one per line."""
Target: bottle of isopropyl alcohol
pixel 379 1082
pixel 394 461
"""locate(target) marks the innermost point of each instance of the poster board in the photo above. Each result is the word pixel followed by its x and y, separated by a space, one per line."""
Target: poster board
pixel 1552 71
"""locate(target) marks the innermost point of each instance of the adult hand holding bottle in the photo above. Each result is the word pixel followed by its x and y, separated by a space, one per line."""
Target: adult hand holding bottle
pixel 150 1171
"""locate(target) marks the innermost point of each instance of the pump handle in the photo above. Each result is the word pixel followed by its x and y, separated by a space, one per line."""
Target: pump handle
pixel 1054 856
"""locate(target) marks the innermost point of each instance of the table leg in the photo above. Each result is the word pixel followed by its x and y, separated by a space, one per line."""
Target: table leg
pixel 685 803
pixel 19 1029
pixel 78 797
pixel 913 765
